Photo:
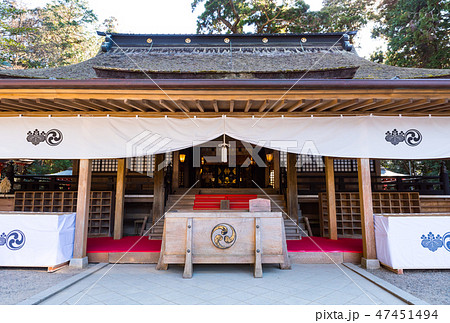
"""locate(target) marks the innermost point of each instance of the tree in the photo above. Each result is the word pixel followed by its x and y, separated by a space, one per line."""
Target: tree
pixel 271 16
pixel 64 37
pixel 48 166
pixel 60 33
pixel 16 27
pixel 417 32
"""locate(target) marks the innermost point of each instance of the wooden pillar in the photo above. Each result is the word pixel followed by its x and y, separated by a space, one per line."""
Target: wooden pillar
pixel 276 168
pixel 120 199
pixel 175 169
pixel 365 200
pixel 292 192
pixel 82 217
pixel 331 198
pixel 158 190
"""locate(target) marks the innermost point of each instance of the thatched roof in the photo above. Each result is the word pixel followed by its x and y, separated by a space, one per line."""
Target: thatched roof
pixel 209 56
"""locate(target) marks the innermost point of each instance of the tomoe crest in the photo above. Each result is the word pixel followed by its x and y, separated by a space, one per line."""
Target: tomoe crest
pixel 53 137
pixel 411 137
pixel 14 240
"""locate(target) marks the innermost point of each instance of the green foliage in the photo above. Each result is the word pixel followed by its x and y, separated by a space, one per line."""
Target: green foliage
pixel 417 167
pixel 60 33
pixel 48 166
pixel 417 32
pixel 377 56
pixel 271 16
pixel 16 27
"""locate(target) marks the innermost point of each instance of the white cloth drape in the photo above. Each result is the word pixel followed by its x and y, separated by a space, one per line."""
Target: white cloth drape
pixel 413 242
pixel 114 137
pixel 36 239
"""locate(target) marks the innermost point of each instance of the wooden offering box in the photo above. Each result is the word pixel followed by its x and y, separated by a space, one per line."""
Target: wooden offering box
pixel 223 238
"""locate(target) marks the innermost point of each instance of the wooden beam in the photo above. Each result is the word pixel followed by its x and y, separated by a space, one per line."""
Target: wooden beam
pixel 165 105
pixel 393 105
pixel 331 197
pixel 67 105
pixel 8 107
pixel 199 106
pixel 372 106
pixel 292 191
pixel 83 107
pixel 248 105
pixel 151 105
pixel 175 169
pixel 278 106
pixel 281 106
pixel 88 105
pixel 83 201
pixel 33 104
pixel 232 105
pixel 312 105
pixel 158 189
pixel 411 105
pixel 51 105
pixel 215 106
pixel 183 106
pixel 366 207
pixel 326 105
pixel 344 104
pixel 106 105
pixel 296 106
pixel 15 105
pixel 263 106
pixel 437 104
pixel 276 168
pixel 120 198
pixel 137 105
pixel 121 105
pixel 361 105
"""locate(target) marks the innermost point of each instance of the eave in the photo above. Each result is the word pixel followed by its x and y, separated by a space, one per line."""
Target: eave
pixel 182 98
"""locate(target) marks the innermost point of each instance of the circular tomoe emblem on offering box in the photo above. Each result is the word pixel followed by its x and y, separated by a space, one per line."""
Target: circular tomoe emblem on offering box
pixel 223 236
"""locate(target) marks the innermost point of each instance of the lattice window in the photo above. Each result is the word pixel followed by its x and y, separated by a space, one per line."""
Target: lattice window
pixel 145 164
pixel 104 165
pixel 315 164
pixel 310 164
pixel 272 178
pixel 283 159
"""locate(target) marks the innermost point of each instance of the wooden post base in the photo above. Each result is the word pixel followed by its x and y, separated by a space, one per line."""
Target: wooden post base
pixel 188 262
pixel 258 263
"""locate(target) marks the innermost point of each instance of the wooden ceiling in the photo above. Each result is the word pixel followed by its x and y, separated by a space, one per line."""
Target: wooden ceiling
pixel 230 107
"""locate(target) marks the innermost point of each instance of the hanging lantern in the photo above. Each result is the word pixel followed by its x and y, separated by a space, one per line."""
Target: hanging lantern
pixel 224 151
pixel 269 158
pixel 203 160
pixel 182 158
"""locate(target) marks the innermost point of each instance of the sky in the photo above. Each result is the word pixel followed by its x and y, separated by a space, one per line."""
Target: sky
pixel 175 17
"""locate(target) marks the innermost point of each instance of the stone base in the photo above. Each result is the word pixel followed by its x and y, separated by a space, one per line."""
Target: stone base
pixel 370 263
pixel 79 262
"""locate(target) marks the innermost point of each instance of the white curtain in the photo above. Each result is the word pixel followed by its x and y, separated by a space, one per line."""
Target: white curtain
pixel 113 137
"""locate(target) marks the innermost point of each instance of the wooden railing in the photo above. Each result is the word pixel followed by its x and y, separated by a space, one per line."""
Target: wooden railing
pixel 100 182
pixel 425 185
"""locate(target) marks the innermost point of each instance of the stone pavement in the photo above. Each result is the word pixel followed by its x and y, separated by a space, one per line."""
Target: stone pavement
pixel 224 285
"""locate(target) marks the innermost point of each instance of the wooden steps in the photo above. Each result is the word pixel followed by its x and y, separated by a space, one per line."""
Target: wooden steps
pixel 180 201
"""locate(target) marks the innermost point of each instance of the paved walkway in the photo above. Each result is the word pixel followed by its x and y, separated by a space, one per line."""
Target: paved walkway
pixel 224 285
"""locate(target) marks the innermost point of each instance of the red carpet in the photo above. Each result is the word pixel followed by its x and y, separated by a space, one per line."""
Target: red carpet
pixel 319 244
pixel 96 245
